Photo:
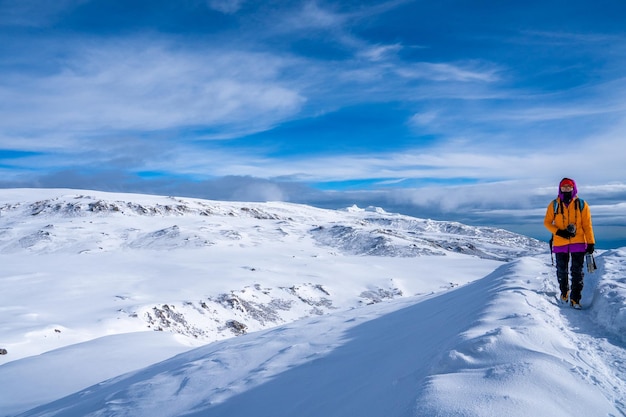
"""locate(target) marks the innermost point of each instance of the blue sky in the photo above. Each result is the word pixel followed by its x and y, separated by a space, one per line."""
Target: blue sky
pixel 452 110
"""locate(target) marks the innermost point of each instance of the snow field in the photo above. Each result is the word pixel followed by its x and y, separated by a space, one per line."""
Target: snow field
pixel 355 312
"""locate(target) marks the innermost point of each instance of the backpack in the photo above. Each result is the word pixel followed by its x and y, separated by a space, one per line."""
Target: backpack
pixel 555 205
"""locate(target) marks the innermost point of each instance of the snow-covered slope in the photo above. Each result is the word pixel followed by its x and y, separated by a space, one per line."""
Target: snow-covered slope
pixel 210 270
pixel 365 313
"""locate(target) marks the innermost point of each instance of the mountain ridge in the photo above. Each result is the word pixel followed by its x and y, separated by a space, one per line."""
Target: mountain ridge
pixel 378 228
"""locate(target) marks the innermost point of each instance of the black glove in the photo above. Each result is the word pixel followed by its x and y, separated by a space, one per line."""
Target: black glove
pixel 591 247
pixel 564 233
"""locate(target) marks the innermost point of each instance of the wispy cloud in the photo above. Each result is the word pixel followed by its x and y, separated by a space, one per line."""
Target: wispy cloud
pixel 449 72
pixel 226 6
pixel 564 38
pixel 312 16
pixel 135 84
pixel 33 13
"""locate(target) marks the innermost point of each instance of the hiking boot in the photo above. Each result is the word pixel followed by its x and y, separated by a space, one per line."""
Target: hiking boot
pixel 575 304
pixel 565 297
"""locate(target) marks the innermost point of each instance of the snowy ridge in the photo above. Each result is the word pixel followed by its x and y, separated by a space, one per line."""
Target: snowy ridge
pixel 355 231
pixel 375 313
pixel 498 346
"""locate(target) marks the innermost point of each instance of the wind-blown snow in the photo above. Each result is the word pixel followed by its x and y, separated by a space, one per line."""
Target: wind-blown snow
pixel 279 310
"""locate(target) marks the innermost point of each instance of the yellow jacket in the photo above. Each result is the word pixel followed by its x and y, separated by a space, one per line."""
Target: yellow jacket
pixel 566 215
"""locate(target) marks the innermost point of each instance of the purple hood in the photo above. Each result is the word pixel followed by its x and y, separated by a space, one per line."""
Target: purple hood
pixel 574 191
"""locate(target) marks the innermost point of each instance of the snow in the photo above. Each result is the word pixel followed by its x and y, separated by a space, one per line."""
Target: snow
pixel 276 309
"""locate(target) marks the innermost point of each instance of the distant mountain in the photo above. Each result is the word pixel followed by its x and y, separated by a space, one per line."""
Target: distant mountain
pixel 89 223
pixel 65 221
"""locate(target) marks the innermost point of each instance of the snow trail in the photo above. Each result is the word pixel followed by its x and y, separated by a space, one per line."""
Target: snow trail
pixel 498 346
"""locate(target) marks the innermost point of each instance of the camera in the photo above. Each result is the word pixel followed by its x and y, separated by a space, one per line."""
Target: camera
pixel 571 228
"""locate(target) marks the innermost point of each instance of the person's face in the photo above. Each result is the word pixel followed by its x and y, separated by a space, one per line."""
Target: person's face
pixel 567 188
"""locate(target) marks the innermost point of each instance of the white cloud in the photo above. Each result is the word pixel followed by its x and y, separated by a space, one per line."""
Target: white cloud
pixel 260 192
pixel 423 119
pixel 380 52
pixel 464 72
pixel 150 85
pixel 312 16
pixel 226 6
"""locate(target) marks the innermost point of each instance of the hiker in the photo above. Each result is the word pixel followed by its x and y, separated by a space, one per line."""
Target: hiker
pixel 569 220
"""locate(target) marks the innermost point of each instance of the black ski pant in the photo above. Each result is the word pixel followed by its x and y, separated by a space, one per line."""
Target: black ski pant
pixel 562 262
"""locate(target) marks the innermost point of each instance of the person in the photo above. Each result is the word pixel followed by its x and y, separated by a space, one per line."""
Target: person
pixel 568 218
